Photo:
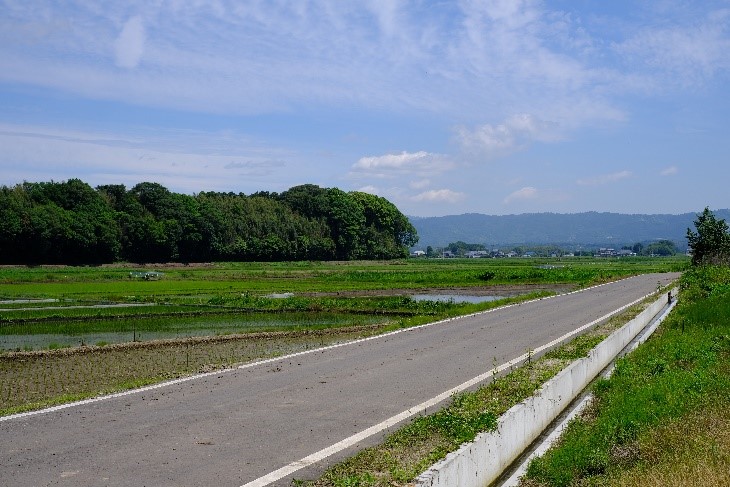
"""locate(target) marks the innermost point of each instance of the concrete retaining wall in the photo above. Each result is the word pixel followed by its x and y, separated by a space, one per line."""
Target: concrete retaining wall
pixel 481 462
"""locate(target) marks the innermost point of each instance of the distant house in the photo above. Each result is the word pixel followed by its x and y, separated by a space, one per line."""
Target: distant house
pixel 476 254
pixel 606 252
pixel 418 253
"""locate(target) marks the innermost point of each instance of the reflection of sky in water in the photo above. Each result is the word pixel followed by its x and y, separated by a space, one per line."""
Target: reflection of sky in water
pixel 454 298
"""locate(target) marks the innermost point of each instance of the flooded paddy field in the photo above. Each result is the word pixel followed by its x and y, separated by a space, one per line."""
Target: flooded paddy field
pixel 52 334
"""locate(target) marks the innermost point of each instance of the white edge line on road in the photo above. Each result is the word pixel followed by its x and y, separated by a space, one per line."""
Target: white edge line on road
pixel 358 437
pixel 276 359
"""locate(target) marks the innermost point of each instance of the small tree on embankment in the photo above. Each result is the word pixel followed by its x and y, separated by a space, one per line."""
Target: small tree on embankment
pixel 711 243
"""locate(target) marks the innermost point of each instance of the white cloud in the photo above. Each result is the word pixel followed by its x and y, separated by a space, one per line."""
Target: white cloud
pixel 669 171
pixel 439 195
pixel 512 134
pixel 129 46
pixel 393 165
pixel 526 193
pixel 420 184
pixel 605 178
pixel 370 190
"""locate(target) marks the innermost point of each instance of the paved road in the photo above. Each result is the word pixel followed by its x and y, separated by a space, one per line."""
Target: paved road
pixel 228 429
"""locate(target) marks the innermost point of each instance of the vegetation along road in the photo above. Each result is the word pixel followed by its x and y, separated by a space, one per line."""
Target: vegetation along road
pixel 234 427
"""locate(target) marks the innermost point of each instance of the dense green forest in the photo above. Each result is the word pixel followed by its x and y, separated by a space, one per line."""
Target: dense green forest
pixel 72 223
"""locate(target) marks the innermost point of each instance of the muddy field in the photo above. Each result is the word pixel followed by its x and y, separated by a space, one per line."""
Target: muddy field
pixel 36 378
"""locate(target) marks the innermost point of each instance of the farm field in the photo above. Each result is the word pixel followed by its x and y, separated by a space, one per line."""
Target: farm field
pixel 73 332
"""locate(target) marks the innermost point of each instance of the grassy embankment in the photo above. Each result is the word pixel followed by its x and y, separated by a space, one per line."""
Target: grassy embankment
pixel 663 419
pixel 221 292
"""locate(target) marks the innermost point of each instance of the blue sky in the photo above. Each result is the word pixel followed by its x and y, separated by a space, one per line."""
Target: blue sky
pixel 443 107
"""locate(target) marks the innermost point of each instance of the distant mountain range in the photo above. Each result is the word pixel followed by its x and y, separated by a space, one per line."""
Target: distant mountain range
pixel 590 229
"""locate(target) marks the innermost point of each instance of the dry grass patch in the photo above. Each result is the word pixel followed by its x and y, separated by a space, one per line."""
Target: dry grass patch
pixel 692 451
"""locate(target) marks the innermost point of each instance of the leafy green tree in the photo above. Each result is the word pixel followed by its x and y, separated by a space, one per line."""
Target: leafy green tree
pixel 662 247
pixel 461 248
pixel 15 207
pixel 388 233
pixel 346 220
pixel 710 244
pixel 308 200
pixel 69 222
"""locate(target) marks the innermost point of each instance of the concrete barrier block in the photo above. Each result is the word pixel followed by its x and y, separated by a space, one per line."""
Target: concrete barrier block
pixel 481 462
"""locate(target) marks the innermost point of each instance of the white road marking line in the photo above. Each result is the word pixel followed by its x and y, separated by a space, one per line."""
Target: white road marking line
pixel 358 437
pixel 266 361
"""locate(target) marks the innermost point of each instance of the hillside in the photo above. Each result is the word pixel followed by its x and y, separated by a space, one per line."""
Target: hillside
pixel 578 229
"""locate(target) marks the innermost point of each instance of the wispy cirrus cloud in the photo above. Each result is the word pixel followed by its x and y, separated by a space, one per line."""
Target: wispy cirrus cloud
pixel 669 171
pixel 224 163
pixel 453 57
pixel 681 52
pixel 604 178
pixel 263 167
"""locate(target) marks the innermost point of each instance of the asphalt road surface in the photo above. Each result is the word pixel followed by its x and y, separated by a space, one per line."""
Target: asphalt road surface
pixel 236 427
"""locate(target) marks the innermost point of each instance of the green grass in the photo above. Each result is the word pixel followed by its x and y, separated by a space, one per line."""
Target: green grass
pixel 682 369
pixel 113 282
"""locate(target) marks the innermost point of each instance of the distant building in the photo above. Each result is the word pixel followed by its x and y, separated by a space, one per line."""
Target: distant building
pixel 606 252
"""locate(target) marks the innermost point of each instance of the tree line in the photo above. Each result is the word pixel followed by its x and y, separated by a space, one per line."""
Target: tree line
pixel 72 223
pixel 462 249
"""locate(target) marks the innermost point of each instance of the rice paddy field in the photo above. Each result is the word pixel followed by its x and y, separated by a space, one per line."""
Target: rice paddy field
pixel 73 332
